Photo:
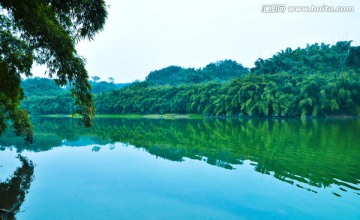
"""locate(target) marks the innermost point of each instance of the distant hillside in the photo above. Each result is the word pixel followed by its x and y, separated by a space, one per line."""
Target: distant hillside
pixel 319 80
pixel 41 87
pixel 224 70
pixel 45 97
pixel 47 87
pixel 102 86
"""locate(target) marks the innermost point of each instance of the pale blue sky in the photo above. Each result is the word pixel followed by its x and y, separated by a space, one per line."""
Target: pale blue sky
pixel 145 35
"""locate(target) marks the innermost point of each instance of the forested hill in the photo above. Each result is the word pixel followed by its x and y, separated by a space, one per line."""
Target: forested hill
pixel 318 80
pixel 45 97
pixel 315 58
pixel 47 87
pixel 41 87
pixel 102 86
pixel 220 71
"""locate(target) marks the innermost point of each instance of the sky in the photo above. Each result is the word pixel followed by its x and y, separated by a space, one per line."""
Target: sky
pixel 142 35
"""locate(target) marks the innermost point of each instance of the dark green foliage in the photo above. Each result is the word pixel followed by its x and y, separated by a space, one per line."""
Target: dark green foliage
pixel 309 92
pixel 353 60
pixel 318 80
pixel 15 57
pixel 14 189
pixel 142 98
pixel 275 95
pixel 41 87
pixel 51 29
pixel 314 58
pixel 269 95
pixel 55 100
pixel 168 74
pixel 40 105
pixel 224 70
pixel 220 71
pixel 102 86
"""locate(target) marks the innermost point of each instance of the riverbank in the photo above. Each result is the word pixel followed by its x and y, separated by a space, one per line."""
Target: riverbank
pixel 129 116
pixel 193 116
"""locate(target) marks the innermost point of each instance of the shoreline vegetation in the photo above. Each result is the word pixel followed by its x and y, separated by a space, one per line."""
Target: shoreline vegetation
pixel 128 116
pixel 318 81
pixel 191 116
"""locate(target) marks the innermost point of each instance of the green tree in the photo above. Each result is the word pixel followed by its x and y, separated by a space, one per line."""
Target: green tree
pixel 45 31
pixel 354 57
pixel 95 78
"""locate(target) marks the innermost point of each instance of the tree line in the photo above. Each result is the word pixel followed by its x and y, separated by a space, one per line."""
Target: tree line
pixel 281 94
pixel 219 71
pixel 318 80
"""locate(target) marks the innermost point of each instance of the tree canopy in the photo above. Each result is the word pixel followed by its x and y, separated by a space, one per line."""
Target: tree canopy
pixel 317 80
pixel 219 71
pixel 319 58
pixel 297 88
pixel 45 32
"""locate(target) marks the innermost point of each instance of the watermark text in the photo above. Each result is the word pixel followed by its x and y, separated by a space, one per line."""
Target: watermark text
pixel 282 8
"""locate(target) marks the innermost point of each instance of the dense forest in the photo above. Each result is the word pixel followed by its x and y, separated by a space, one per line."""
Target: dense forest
pixel 43 96
pixel 317 80
pixel 220 71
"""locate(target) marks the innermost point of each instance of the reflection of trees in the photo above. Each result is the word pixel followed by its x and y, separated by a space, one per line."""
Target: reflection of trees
pixel 305 153
pixel 13 190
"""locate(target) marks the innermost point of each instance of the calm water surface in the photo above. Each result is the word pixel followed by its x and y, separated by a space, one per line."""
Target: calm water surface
pixel 183 169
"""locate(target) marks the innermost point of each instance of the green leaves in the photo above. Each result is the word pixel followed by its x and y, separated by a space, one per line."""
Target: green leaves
pixel 46 31
pixel 16 53
pixel 277 95
pixel 314 58
pixel 10 96
pixel 220 71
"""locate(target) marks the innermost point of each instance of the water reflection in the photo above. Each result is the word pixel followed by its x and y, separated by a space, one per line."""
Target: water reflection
pixel 309 154
pixel 14 189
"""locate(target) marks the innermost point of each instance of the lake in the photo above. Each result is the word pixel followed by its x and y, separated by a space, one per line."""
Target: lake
pixel 183 169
